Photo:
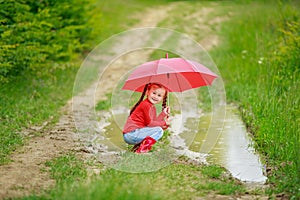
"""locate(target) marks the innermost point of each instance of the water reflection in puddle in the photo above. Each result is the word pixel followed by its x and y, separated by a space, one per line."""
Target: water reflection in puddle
pixel 234 149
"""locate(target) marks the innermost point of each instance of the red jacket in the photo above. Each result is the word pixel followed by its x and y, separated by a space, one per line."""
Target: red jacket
pixel 144 115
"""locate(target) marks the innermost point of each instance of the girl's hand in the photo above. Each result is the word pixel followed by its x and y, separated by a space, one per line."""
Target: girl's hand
pixel 167 110
pixel 168 121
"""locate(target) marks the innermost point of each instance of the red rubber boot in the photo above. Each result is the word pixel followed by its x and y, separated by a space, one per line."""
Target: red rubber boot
pixel 135 147
pixel 146 145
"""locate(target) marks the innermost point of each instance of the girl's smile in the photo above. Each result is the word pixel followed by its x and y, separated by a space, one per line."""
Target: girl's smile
pixel 156 95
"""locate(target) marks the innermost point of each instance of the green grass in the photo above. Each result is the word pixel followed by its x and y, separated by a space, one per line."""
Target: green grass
pixel 104 104
pixel 114 17
pixel 213 171
pixel 221 188
pixel 66 169
pixel 29 102
pixel 176 181
pixel 259 61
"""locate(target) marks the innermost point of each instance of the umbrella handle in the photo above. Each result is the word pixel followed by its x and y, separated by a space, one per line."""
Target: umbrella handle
pixel 168 102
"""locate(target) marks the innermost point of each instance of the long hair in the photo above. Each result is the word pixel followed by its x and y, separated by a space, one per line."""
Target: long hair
pixel 148 86
pixel 141 98
pixel 164 103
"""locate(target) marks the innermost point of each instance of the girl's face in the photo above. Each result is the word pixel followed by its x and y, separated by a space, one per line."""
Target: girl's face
pixel 156 94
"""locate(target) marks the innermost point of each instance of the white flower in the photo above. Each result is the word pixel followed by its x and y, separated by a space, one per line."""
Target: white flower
pixel 261 59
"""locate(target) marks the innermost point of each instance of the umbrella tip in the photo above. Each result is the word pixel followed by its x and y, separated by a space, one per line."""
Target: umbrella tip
pixel 167 55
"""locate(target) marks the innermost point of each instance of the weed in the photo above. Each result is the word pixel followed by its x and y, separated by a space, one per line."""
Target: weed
pixel 66 169
pixel 104 104
pixel 175 181
pixel 212 171
pixel 259 64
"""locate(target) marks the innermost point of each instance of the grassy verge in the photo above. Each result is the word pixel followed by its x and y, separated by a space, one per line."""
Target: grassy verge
pixel 180 180
pixel 259 61
pixel 67 171
pixel 27 102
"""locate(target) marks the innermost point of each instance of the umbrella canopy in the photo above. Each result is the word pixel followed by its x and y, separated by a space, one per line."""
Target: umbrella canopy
pixel 176 74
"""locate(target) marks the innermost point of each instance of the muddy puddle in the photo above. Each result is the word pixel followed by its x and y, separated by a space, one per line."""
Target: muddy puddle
pixel 190 131
pixel 234 149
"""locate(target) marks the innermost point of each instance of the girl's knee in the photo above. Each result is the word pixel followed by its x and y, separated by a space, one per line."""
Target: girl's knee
pixel 160 133
pixel 160 129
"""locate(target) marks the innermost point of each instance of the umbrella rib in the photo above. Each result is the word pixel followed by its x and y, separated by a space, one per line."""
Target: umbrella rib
pixel 178 83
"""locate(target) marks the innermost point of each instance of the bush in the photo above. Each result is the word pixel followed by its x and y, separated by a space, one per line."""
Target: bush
pixel 37 36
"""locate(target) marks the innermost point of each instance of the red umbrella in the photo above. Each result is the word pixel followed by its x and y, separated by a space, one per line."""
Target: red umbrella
pixel 176 74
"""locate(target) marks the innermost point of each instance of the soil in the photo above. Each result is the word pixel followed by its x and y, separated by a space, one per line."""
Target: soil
pixel 26 173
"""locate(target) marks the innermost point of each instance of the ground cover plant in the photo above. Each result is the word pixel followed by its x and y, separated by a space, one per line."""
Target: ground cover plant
pixel 259 61
pixel 181 180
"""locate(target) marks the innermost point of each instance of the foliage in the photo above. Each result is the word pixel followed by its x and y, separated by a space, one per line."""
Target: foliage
pixel 221 188
pixel 281 104
pixel 260 64
pixel 175 181
pixel 29 102
pixel 40 36
pixel 104 104
pixel 66 169
pixel 212 171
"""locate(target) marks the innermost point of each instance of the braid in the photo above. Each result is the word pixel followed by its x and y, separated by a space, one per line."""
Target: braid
pixel 140 100
pixel 164 103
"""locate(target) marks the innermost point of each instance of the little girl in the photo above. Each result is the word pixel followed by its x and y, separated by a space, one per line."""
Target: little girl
pixel 143 127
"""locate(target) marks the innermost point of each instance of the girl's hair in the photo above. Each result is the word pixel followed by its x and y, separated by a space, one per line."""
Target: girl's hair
pixel 148 86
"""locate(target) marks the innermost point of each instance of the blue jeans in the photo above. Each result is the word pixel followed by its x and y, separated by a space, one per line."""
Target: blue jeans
pixel 138 135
